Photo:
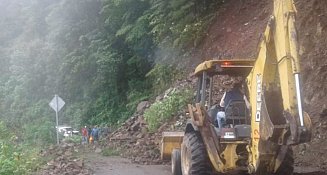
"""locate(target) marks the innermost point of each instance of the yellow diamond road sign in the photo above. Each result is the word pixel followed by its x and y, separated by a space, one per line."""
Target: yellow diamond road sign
pixel 57 103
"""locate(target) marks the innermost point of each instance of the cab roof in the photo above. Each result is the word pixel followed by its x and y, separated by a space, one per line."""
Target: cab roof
pixel 232 67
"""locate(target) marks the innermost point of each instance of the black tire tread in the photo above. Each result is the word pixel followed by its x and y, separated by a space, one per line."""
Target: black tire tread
pixel 199 164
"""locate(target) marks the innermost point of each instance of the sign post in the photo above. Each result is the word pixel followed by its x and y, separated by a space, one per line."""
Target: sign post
pixel 56 104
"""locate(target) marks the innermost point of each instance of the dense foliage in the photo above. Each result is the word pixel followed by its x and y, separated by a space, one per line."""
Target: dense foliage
pixel 16 158
pixel 162 111
pixel 95 54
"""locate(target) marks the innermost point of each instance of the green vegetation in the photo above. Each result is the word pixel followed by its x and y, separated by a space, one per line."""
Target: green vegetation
pixel 74 139
pixel 162 76
pixel 102 57
pixel 163 110
pixel 16 158
pixel 99 56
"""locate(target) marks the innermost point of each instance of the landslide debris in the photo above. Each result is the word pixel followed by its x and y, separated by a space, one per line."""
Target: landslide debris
pixel 135 142
pixel 236 31
pixel 133 139
pixel 63 161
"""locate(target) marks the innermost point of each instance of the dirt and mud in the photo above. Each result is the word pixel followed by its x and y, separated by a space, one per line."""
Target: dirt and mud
pixel 236 31
pixel 312 29
pixel 70 158
pixel 121 166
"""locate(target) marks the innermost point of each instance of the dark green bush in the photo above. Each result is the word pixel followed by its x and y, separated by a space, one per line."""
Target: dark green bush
pixel 164 110
pixel 162 77
pixel 15 158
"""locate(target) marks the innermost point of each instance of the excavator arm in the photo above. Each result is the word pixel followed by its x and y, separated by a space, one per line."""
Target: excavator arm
pixel 277 117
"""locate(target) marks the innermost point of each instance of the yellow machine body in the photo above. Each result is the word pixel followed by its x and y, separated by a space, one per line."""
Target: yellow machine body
pixel 170 141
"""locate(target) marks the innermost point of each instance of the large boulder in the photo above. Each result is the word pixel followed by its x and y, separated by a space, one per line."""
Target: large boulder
pixel 142 106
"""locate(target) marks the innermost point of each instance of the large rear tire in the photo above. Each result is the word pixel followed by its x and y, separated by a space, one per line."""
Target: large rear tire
pixel 195 160
pixel 176 162
pixel 287 166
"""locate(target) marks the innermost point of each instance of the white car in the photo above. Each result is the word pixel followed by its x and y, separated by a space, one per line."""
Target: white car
pixel 67 131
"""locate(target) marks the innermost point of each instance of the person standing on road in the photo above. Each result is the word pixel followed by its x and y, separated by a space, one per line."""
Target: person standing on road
pixel 95 133
pixel 89 131
pixel 84 135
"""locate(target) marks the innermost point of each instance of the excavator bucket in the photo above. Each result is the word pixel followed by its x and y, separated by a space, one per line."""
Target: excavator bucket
pixel 170 141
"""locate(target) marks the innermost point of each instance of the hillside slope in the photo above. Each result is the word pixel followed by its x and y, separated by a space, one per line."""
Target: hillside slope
pixel 239 24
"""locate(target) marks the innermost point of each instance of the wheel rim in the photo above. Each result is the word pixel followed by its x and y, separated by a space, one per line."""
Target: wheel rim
pixel 185 155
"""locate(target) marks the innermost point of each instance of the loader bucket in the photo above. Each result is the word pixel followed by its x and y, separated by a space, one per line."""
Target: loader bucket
pixel 170 140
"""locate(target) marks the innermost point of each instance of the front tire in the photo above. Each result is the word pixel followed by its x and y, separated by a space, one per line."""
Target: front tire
pixel 195 160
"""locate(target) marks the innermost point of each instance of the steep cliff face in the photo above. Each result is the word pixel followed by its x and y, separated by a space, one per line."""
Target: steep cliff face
pixel 236 34
pixel 237 29
pixel 312 30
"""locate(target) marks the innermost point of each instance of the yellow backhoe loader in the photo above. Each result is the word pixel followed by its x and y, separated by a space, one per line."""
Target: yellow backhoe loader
pixel 256 139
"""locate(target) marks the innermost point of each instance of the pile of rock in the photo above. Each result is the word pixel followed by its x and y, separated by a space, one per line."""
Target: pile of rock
pixel 133 138
pixel 64 162
pixel 141 146
pixel 135 142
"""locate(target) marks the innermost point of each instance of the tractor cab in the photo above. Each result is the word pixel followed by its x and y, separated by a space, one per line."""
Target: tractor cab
pixel 236 123
pixel 234 133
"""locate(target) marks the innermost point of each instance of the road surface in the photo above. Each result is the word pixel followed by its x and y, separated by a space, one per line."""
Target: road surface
pixel 102 165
